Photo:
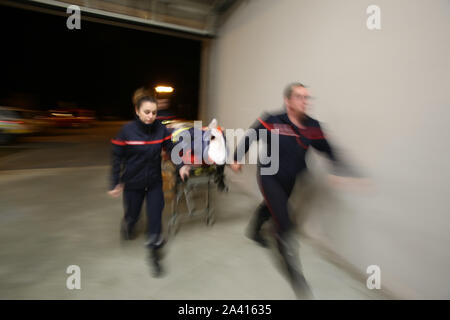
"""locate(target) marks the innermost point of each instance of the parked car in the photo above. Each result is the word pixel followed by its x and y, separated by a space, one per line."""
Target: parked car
pixel 71 118
pixel 16 121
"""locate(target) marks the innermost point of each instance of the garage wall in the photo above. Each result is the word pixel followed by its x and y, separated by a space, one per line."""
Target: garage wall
pixel 383 99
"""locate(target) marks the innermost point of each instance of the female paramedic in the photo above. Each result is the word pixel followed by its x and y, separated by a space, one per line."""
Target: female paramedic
pixel 136 171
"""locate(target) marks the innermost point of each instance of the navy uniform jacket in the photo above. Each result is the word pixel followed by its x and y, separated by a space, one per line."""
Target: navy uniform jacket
pixel 136 155
pixel 293 144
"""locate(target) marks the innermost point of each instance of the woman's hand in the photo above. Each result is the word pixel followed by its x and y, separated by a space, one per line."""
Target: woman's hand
pixel 116 192
pixel 184 171
pixel 236 167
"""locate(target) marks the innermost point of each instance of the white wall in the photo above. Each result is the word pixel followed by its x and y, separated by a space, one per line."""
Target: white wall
pixel 383 96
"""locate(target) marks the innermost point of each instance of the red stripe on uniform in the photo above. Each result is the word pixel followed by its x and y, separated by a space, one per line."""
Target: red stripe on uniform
pixel 138 143
pixel 297 137
pixel 313 133
pixel 265 124
pixel 300 142
pixel 118 142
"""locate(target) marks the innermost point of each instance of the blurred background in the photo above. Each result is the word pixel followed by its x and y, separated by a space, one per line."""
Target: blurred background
pixel 382 97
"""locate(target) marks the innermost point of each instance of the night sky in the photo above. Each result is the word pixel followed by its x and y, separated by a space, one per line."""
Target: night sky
pixel 44 64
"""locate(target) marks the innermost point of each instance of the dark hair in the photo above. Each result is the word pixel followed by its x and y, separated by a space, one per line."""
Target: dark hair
pixel 290 87
pixel 143 99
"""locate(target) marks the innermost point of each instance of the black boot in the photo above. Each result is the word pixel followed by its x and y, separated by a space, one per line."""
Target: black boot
pixel 288 247
pixel 126 231
pixel 254 229
pixel 155 243
pixel 155 262
pixel 258 238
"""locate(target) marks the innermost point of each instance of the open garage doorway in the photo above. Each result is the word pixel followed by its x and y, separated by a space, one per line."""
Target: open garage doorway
pixel 47 66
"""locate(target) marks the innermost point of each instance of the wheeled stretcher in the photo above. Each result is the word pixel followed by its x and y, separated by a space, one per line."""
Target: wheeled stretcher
pixel 196 190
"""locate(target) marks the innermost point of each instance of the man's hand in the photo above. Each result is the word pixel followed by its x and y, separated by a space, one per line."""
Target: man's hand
pixel 236 167
pixel 184 172
pixel 116 192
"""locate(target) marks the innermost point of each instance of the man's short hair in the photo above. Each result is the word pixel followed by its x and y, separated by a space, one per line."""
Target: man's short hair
pixel 290 87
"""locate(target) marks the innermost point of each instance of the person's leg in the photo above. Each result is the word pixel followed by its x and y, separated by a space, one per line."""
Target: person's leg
pixel 132 201
pixel 289 249
pixel 155 206
pixel 275 203
pixel 155 240
pixel 276 196
pixel 261 215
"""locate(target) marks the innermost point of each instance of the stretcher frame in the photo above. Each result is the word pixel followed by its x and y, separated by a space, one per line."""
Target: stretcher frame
pixel 201 178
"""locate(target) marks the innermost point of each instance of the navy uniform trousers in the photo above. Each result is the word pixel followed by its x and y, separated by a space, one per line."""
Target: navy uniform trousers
pixel 133 200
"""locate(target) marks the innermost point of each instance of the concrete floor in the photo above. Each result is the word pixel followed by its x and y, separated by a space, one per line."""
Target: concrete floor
pixel 54 217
